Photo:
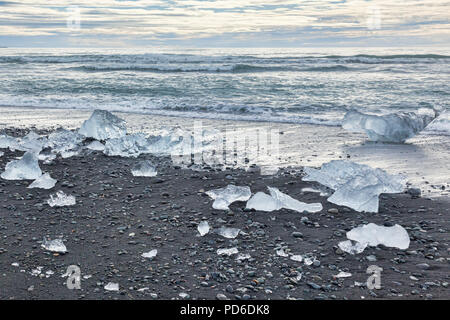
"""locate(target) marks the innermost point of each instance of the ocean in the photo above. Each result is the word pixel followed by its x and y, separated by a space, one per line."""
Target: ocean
pixel 314 86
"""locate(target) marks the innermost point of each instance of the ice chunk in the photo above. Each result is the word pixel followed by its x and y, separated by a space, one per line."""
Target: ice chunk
pixel 373 235
pixel 229 233
pixel 243 256
pixel 343 274
pixel 356 185
pixel 7 142
pixel 56 245
pixel 1 153
pixel 27 168
pixel 296 257
pixel 282 253
pixel 46 156
pixel 440 125
pixel 225 196
pixel 103 125
pixel 352 248
pixel 31 142
pixel 63 140
pixel 60 199
pixel 203 228
pixel 96 146
pixel 151 254
pixel 394 127
pixel 112 286
pixel 227 252
pixel 43 182
pixel 128 146
pixel 277 200
pixel 144 168
pixel 309 259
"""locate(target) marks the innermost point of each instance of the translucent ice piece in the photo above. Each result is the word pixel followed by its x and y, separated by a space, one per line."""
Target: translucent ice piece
pixel 55 245
pixel 203 228
pixel 356 185
pixel 225 196
pixel 229 233
pixel 103 125
pixel 296 257
pixel 63 140
pixel 128 146
pixel 263 202
pixel 60 199
pixel 31 142
pixel 43 182
pixel 112 286
pixel 151 254
pixel 144 168
pixel 7 142
pixel 373 235
pixel 96 146
pixel 227 252
pixel 27 168
pixel 352 248
pixel 343 274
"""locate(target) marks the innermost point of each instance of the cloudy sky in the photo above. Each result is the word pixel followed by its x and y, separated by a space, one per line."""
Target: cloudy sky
pixel 224 23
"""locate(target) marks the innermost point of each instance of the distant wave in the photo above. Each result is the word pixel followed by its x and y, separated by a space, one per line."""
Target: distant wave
pixel 329 68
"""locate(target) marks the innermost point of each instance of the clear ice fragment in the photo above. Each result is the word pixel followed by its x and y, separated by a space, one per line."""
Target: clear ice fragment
pixel 55 245
pixel 203 228
pixel 229 233
pixel 225 196
pixel 373 235
pixel 43 182
pixel 144 168
pixel 96 146
pixel 60 199
pixel 103 125
pixel 352 248
pixel 112 286
pixel 151 254
pixel 27 168
pixel 227 252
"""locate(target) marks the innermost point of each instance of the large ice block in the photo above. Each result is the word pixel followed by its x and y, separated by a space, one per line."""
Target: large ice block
pixel 27 168
pixel 225 196
pixel 64 141
pixel 277 200
pixel 356 186
pixel 373 235
pixel 128 146
pixel 394 127
pixel 103 125
pixel 43 182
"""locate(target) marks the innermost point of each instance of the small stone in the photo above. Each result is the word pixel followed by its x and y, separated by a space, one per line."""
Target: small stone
pixel 333 211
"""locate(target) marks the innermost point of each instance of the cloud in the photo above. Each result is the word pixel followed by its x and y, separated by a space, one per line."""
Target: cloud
pixel 142 20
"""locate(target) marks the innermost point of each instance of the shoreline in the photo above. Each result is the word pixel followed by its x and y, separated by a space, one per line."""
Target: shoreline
pixel 117 217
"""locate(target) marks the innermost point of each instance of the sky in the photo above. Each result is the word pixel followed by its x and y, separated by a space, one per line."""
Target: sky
pixel 224 23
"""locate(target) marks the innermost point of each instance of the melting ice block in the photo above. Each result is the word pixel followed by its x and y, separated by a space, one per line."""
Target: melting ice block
pixel 128 146
pixel 56 245
pixel 31 142
pixel 27 168
pixel 151 254
pixel 227 252
pixel 203 228
pixel 373 235
pixel 395 127
pixel 64 141
pixel 352 248
pixel 103 125
pixel 277 200
pixel 440 125
pixel 96 146
pixel 229 233
pixel 356 185
pixel 43 182
pixel 60 199
pixel 225 196
pixel 112 286
pixel 7 142
pixel 144 169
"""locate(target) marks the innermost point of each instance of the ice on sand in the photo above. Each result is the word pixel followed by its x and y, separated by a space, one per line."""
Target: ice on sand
pixel 55 245
pixel 373 235
pixel 27 168
pixel 60 199
pixel 103 125
pixel 31 142
pixel 277 200
pixel 352 247
pixel 356 185
pixel 227 252
pixel 7 142
pixel 223 197
pixel 394 127
pixel 96 146
pixel 43 182
pixel 128 146
pixel 64 141
pixel 112 286
pixel 342 274
pixel 229 233
pixel 144 169
pixel 440 125
pixel 203 228
pixel 151 254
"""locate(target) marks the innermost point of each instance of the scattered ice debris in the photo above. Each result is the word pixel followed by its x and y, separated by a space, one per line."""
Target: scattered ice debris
pixel 96 146
pixel 15 264
pixel 43 182
pixel 342 274
pixel 65 142
pixel 227 252
pixel 373 235
pixel 282 253
pixel 127 146
pixel 56 245
pixel 309 259
pixel 356 185
pixel 394 127
pixel 203 228
pixel 225 196
pixel 27 168
pixel 60 199
pixel 277 200
pixel 296 257
pixel 229 233
pixel 440 125
pixel 144 168
pixel 103 125
pixel 31 142
pixel 243 256
pixel 151 254
pixel 112 286
pixel 36 272
pixel 352 248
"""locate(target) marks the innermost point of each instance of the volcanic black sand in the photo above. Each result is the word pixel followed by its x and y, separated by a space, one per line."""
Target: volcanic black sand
pixel 117 217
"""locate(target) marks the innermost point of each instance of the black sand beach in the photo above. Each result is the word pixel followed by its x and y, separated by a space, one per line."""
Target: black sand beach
pixel 117 217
